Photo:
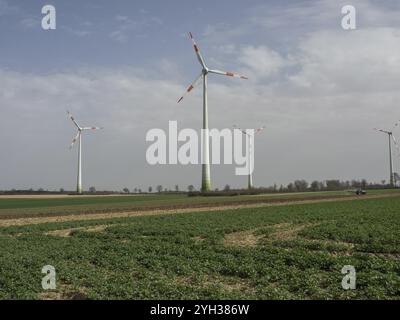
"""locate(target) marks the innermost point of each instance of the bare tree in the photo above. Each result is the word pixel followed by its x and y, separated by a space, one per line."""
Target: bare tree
pixel 301 185
pixel 333 185
pixel 315 186
pixel 364 184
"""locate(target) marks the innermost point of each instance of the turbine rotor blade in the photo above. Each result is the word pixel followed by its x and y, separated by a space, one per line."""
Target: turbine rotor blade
pixel 381 130
pixel 73 120
pixel 197 51
pixel 74 139
pixel 396 144
pixel 229 74
pixel 92 128
pixel 191 87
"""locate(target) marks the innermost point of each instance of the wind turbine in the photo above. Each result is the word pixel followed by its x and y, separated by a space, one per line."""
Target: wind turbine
pixel 206 180
pixel 249 137
pixel 396 175
pixel 391 138
pixel 79 138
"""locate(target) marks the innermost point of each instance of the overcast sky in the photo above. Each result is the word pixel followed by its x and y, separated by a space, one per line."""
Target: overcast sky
pixel 318 89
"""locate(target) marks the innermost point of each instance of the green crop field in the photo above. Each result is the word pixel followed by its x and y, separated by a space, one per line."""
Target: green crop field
pixel 48 206
pixel 295 251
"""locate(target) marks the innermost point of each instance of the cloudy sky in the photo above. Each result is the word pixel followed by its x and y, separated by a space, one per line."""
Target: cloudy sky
pixel 318 89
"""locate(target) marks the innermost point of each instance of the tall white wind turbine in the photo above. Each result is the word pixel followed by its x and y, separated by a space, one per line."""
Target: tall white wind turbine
pixel 249 152
pixel 391 138
pixel 79 138
pixel 206 180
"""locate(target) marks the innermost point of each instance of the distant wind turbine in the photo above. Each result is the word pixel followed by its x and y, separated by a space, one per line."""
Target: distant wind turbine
pixel 206 180
pixel 249 151
pixel 391 138
pixel 79 138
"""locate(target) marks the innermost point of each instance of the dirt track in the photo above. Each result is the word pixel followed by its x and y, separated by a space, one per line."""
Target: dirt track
pixel 99 216
pixel 60 196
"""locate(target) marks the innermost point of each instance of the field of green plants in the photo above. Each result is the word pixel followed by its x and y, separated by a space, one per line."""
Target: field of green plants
pixel 47 206
pixel 284 252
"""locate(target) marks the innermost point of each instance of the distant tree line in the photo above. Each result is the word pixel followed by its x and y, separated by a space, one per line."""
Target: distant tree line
pixel 326 185
pixel 300 185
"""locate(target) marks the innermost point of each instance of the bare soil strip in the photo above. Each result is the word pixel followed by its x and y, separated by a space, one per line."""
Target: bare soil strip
pixel 245 238
pixel 68 232
pixel 111 215
pixel 281 231
pixel 249 238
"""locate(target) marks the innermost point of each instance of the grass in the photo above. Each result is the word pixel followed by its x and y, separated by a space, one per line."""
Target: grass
pixel 28 207
pixel 286 252
pixel 18 203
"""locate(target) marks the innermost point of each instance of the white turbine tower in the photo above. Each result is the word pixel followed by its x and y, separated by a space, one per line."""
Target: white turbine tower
pixel 206 180
pixel 79 138
pixel 391 138
pixel 249 152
